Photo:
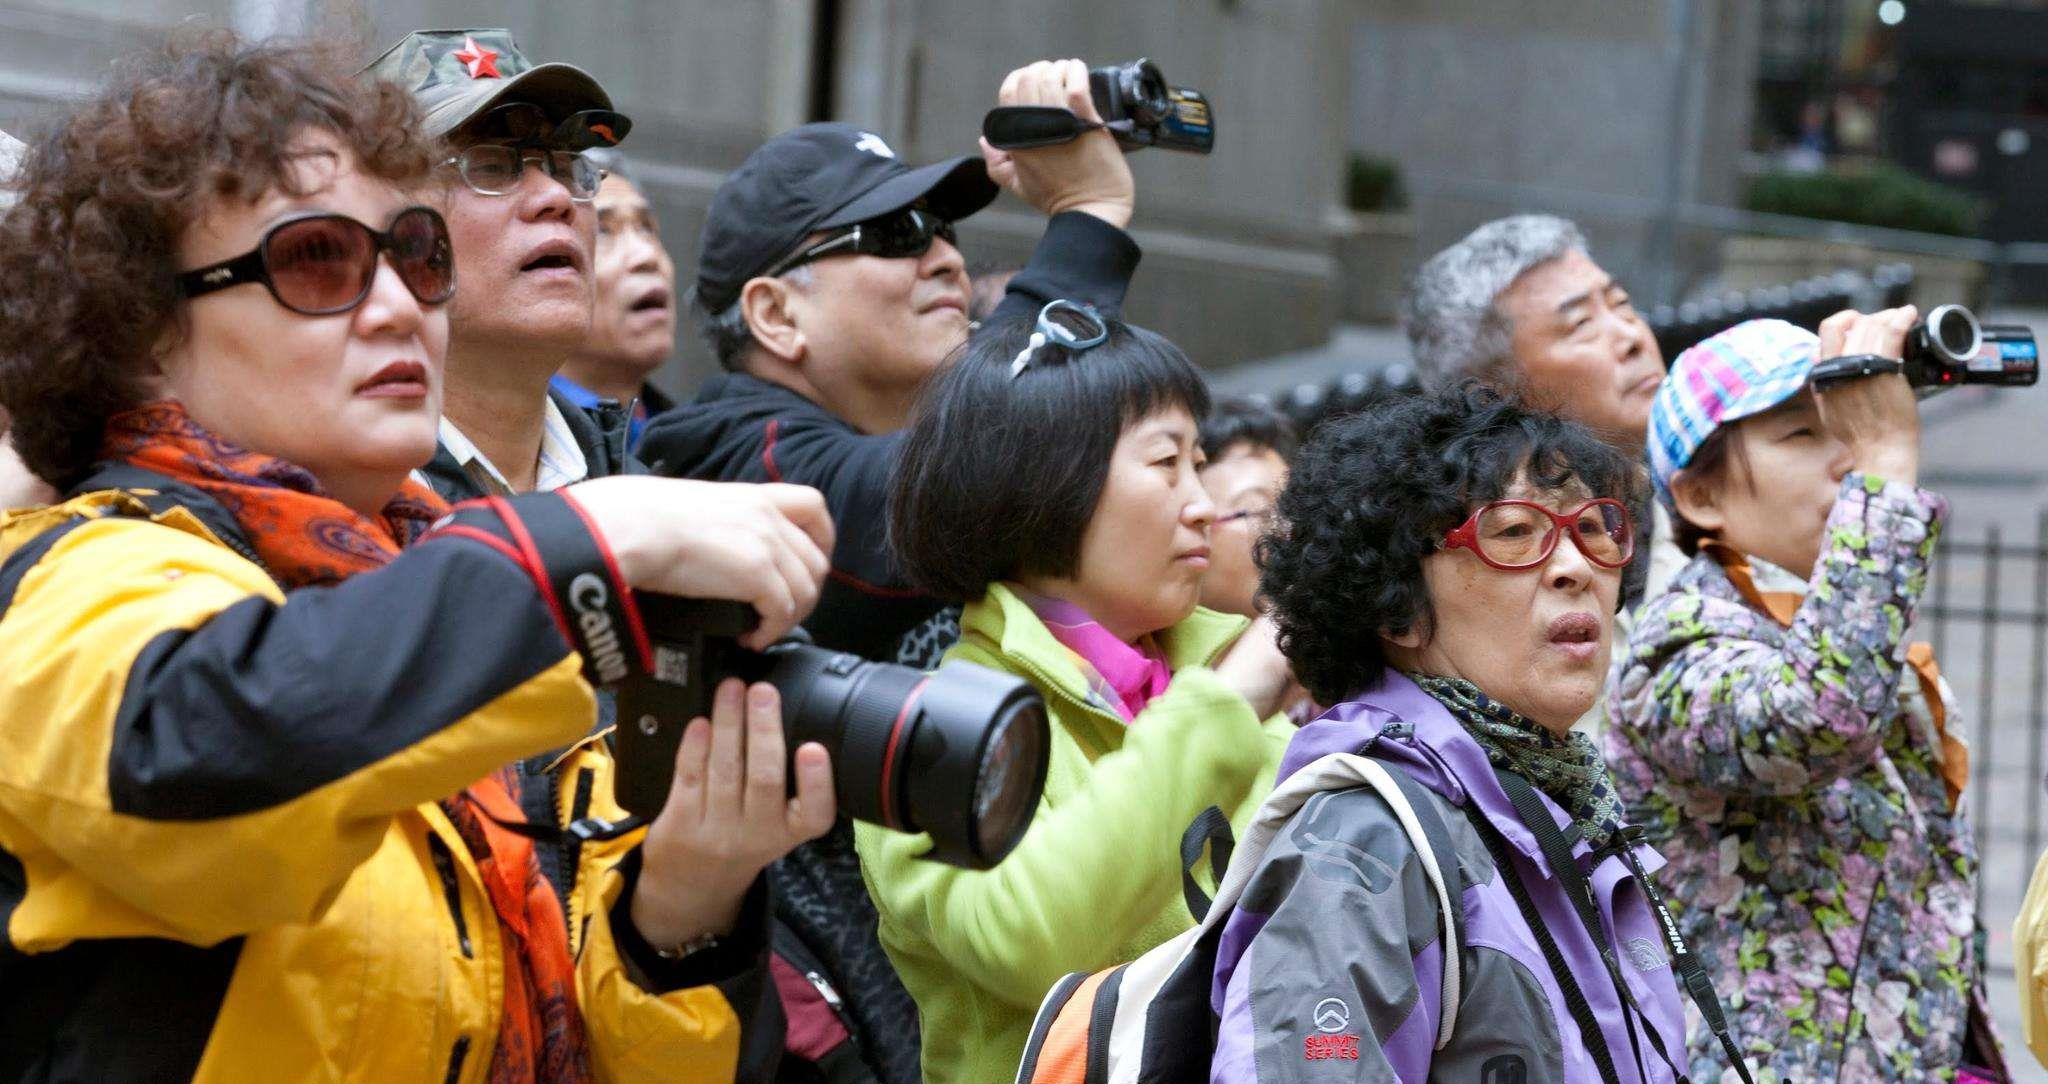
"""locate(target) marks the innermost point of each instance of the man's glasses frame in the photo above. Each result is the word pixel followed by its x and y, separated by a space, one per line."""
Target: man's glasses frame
pixel 878 236
pixel 1466 534
pixel 256 265
pixel 573 170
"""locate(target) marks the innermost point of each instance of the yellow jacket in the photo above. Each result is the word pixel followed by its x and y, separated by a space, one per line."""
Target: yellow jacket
pixel 220 850
pixel 2030 961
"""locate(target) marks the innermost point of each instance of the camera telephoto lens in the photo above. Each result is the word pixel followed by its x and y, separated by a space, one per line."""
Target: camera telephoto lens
pixel 959 754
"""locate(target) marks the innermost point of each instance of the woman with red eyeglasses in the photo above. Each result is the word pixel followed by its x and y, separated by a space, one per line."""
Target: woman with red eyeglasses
pixel 257 815
pixel 1445 570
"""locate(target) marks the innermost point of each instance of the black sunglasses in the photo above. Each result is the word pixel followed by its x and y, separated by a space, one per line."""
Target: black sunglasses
pixel 321 264
pixel 908 232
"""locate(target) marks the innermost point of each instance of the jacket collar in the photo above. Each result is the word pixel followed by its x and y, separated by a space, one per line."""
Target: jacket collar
pixel 600 436
pixel 1415 730
pixel 1008 621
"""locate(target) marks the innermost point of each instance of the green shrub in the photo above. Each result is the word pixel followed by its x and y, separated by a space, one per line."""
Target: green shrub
pixel 1374 184
pixel 1883 195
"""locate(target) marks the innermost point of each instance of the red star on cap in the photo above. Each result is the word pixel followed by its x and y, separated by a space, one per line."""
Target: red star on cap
pixel 481 62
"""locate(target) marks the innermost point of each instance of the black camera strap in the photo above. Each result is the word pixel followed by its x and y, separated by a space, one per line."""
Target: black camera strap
pixel 1691 973
pixel 551 536
pixel 554 540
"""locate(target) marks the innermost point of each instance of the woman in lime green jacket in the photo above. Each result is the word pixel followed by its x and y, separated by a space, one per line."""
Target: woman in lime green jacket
pixel 1052 488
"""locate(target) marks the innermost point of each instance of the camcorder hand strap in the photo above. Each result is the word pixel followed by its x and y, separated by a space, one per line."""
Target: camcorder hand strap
pixel 1851 367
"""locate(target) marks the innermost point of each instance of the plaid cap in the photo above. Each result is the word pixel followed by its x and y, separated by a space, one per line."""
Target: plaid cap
pixel 458 74
pixel 1727 377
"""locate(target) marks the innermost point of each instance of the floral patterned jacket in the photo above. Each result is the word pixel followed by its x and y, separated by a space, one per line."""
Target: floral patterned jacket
pixel 1815 861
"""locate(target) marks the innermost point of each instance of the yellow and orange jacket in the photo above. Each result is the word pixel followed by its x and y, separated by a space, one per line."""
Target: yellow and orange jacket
pixel 221 853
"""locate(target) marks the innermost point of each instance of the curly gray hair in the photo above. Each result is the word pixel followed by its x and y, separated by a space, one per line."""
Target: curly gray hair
pixel 1454 327
pixel 10 159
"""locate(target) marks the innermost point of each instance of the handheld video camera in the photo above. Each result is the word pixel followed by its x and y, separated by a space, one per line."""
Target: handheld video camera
pixel 1137 105
pixel 1947 349
pixel 959 753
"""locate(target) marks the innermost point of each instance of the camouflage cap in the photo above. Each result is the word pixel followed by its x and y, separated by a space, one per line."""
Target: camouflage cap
pixel 458 74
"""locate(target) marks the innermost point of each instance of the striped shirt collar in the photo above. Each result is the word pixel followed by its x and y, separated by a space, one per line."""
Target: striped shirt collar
pixel 561 459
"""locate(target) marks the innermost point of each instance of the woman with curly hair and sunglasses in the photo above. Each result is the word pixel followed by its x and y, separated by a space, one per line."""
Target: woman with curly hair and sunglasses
pixel 257 819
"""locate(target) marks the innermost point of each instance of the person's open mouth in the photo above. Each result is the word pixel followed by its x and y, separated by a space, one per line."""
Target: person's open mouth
pixel 656 300
pixel 556 257
pixel 1575 634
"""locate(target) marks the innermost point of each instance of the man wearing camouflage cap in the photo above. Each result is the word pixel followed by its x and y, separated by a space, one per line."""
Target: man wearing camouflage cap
pixel 523 255
pixel 518 198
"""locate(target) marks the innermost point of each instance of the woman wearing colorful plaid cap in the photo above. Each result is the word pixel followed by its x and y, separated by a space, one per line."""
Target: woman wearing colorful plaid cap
pixel 1795 758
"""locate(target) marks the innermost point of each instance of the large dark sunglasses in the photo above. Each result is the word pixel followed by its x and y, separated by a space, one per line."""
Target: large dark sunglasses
pixel 321 264
pixel 1513 535
pixel 908 232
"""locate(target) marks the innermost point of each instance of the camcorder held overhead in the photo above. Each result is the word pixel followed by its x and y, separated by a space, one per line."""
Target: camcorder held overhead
pixel 1947 349
pixel 1137 106
pixel 959 753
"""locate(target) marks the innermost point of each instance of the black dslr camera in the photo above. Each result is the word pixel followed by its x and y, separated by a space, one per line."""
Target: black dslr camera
pixel 959 753
pixel 1137 105
pixel 1947 349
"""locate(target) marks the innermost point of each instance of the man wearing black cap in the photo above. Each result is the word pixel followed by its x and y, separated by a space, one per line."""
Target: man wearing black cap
pixel 830 288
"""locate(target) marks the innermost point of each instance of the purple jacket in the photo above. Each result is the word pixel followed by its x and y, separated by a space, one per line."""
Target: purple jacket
pixel 1334 951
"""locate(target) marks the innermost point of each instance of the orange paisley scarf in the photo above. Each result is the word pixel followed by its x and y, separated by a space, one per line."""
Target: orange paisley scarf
pixel 304 538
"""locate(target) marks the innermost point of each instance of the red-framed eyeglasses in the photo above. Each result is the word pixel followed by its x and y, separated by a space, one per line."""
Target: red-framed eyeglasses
pixel 1513 535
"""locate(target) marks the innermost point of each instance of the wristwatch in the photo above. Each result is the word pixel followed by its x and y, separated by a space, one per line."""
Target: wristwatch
pixel 689 948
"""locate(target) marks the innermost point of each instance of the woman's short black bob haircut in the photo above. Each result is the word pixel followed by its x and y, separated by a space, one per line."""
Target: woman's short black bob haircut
pixel 998 476
pixel 1371 494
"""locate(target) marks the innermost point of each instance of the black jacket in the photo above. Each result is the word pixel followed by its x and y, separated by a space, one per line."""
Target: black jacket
pixel 743 429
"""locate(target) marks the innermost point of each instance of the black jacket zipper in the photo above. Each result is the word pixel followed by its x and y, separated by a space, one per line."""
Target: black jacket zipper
pixel 444 864
pixel 456 1057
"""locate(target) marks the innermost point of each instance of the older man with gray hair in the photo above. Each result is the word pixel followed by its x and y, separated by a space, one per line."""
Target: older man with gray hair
pixel 1519 304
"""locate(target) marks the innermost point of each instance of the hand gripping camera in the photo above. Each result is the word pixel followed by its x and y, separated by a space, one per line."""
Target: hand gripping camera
pixel 1947 349
pixel 1137 105
pixel 959 753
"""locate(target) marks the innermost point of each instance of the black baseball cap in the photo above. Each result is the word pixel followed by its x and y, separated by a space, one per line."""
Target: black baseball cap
pixel 819 177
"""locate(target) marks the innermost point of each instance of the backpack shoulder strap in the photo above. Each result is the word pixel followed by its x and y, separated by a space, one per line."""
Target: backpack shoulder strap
pixel 1414 806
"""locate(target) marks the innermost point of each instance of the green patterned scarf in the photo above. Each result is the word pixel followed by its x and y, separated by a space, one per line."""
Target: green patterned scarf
pixel 1570 769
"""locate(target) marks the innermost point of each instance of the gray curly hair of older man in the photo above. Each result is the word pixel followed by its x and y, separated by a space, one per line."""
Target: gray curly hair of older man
pixel 10 159
pixel 1450 311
